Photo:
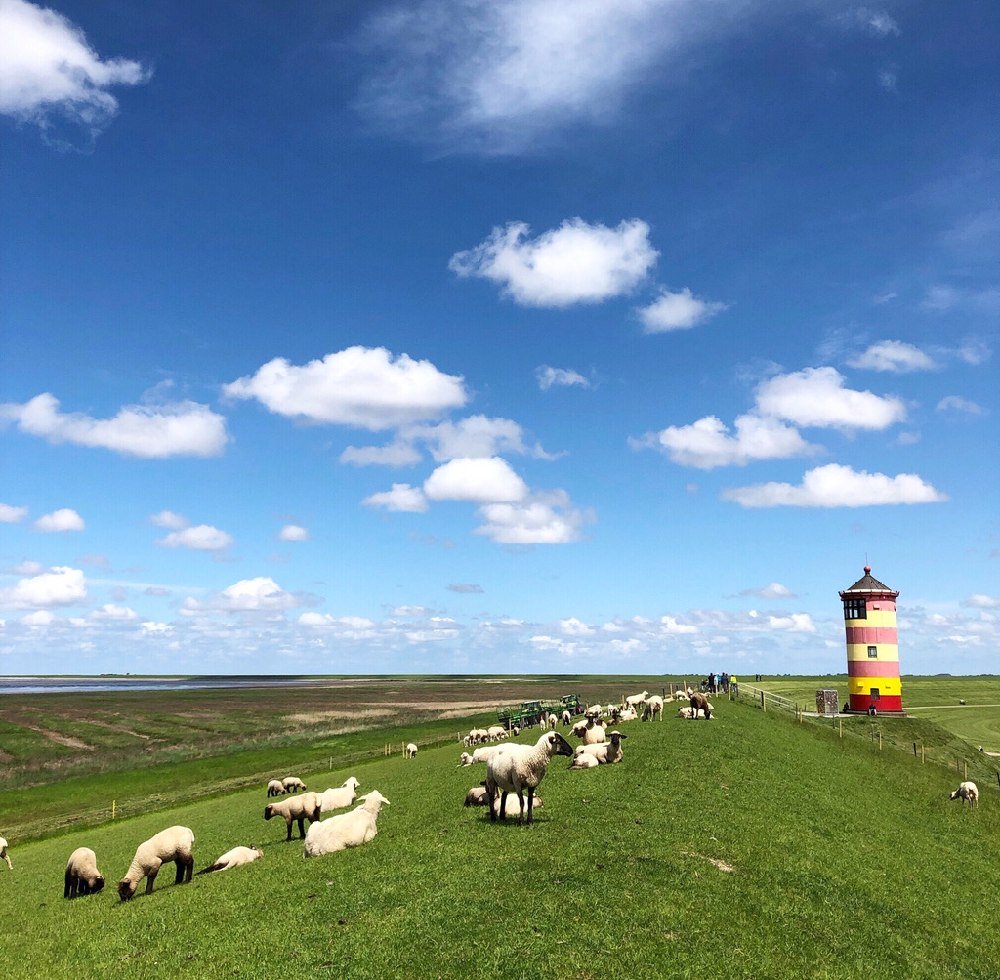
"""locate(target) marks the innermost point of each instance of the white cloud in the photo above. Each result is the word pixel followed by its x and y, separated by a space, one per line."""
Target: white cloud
pixel 838 486
pixel 677 311
pixel 292 532
pixel 9 514
pixel 575 627
pixel 817 397
pixel 169 520
pixel 360 386
pixel 347 627
pixel 980 601
pixel 888 78
pixel 181 429
pixel 549 377
pixel 201 537
pixel 151 628
pixel 38 620
pixel 402 497
pixel 895 356
pixel 64 519
pixel 27 567
pixel 60 586
pixel 876 22
pixel 673 627
pixel 795 623
pixel 48 72
pixel 707 443
pixel 397 453
pixel 543 518
pixel 773 590
pixel 114 614
pixel 574 263
pixel 974 352
pixel 251 595
pixel 955 403
pixel 466 588
pixel 477 480
pixel 940 298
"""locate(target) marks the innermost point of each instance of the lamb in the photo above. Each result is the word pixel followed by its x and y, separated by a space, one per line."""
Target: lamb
pixel 173 844
pixel 513 806
pixel 583 760
pixel 515 768
pixel 478 755
pixel 967 790
pixel 477 797
pixel 690 713
pixel 605 752
pixel 634 700
pixel 275 787
pixel 654 707
pixel 296 809
pixel 337 799
pixel 234 858
pixel 567 718
pixel 700 703
pixel 346 829
pixel 290 783
pixel 553 721
pixel 410 752
pixel 4 854
pixel 82 876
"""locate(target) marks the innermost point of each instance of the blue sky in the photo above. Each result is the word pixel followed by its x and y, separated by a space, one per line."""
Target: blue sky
pixel 463 336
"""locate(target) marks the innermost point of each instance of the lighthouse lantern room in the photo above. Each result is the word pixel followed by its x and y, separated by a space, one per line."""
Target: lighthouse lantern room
pixel 872 645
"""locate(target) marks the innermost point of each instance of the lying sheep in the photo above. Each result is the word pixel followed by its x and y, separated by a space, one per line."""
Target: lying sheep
pixel 233 859
pixel 340 797
pixel 604 752
pixel 82 876
pixel 583 760
pixel 699 702
pixel 516 768
pixel 173 844
pixel 477 797
pixel 652 708
pixel 346 829
pixel 296 809
pixel 292 784
pixel 967 790
pixel 275 787
pixel 690 713
pixel 579 728
pixel 628 714
pixel 410 752
pixel 593 733
pixel 4 854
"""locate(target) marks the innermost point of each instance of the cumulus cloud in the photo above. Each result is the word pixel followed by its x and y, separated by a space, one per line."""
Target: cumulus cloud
pixel 38 620
pixel 707 442
pixel 9 514
pixel 64 519
pixel 552 377
pixel 169 520
pixel 49 74
pixel 978 600
pixel 59 586
pixel 835 485
pixel 292 532
pixel 673 627
pixel 466 588
pixel 476 480
pixel 152 628
pixel 251 595
pixel 364 387
pixel 346 627
pixel 773 590
pixel 894 356
pixel 795 623
pixel 677 311
pixel 402 497
pixel 574 263
pixel 110 613
pixel 160 432
pixel 542 518
pixel 201 537
pixel 575 627
pixel 955 403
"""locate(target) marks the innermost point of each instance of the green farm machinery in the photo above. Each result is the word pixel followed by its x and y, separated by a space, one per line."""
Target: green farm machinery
pixel 531 712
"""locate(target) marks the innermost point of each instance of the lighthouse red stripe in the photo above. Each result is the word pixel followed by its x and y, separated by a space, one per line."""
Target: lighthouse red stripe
pixel 887 702
pixel 873 634
pixel 873 668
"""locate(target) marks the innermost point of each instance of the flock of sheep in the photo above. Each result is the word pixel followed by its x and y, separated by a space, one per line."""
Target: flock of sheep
pixel 513 773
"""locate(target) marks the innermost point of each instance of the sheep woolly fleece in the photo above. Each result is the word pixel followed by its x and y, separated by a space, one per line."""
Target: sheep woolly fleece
pixel 346 829
pixel 515 768
pixel 173 844
pixel 82 876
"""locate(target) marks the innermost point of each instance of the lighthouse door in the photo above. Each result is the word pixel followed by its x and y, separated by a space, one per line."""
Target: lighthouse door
pixel 875 694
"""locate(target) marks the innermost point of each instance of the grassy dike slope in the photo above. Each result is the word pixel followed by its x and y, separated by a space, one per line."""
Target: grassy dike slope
pixel 845 863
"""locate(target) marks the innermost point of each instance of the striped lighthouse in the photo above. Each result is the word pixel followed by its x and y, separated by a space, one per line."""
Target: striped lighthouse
pixel 872 645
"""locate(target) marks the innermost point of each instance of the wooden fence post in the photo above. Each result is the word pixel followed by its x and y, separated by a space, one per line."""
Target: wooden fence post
pixel 914 750
pixel 763 701
pixel 880 740
pixel 113 802
pixel 841 727
pixel 966 770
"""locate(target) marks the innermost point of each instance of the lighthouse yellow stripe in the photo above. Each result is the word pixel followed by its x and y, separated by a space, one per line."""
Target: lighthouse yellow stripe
pixel 876 617
pixel 886 685
pixel 887 652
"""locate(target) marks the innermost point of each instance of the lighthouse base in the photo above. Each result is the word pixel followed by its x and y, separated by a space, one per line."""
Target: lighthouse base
pixel 886 704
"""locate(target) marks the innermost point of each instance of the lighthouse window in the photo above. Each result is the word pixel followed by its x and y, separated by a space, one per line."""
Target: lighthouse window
pixel 855 609
pixel 873 651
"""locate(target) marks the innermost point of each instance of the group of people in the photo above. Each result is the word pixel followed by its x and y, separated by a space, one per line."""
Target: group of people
pixel 715 683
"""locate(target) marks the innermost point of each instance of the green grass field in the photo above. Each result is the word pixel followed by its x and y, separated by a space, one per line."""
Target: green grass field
pixel 749 846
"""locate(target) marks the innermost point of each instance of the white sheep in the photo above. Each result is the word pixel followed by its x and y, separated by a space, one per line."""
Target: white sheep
pixel 293 783
pixel 346 829
pixel 652 708
pixel 594 711
pixel 567 718
pixel 628 714
pixel 512 808
pixel 275 787
pixel 477 797
pixel 410 752
pixel 496 732
pixel 690 713
pixel 516 768
pixel 173 844
pixel 295 809
pixel 553 721
pixel 604 752
pixel 234 858
pixel 967 790
pixel 579 728
pixel 4 854
pixel 583 760
pixel 340 797
pixel 635 700
pixel 82 876
pixel 480 754
pixel 593 733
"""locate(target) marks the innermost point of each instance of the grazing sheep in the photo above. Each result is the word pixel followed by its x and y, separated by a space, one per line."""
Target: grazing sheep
pixel 699 702
pixel 605 752
pixel 346 829
pixel 173 844
pixel 515 768
pixel 410 752
pixel 82 876
pixel 293 783
pixel 275 787
pixel 296 809
pixel 594 711
pixel 567 718
pixel 233 859
pixel 4 854
pixel 479 735
pixel 652 708
pixel 480 754
pixel 496 732
pixel 967 790
pixel 337 799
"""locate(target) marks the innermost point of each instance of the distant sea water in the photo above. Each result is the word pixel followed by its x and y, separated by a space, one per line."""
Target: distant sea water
pixel 67 685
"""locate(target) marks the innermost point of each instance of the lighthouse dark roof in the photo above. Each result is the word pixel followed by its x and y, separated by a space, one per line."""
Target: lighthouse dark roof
pixel 867 583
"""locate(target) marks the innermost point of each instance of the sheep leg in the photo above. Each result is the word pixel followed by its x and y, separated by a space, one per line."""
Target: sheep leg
pixel 289 837
pixel 531 802
pixel 491 795
pixel 302 828
pixel 150 878
pixel 503 805
pixel 68 887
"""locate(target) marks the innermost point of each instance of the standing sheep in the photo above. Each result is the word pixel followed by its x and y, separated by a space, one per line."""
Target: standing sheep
pixel 82 876
pixel 173 844
pixel 337 799
pixel 293 783
pixel 346 829
pixel 553 721
pixel 653 707
pixel 515 768
pixel 275 787
pixel 567 718
pixel 411 750
pixel 700 703
pixel 4 854
pixel 233 859
pixel 966 791
pixel 296 809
